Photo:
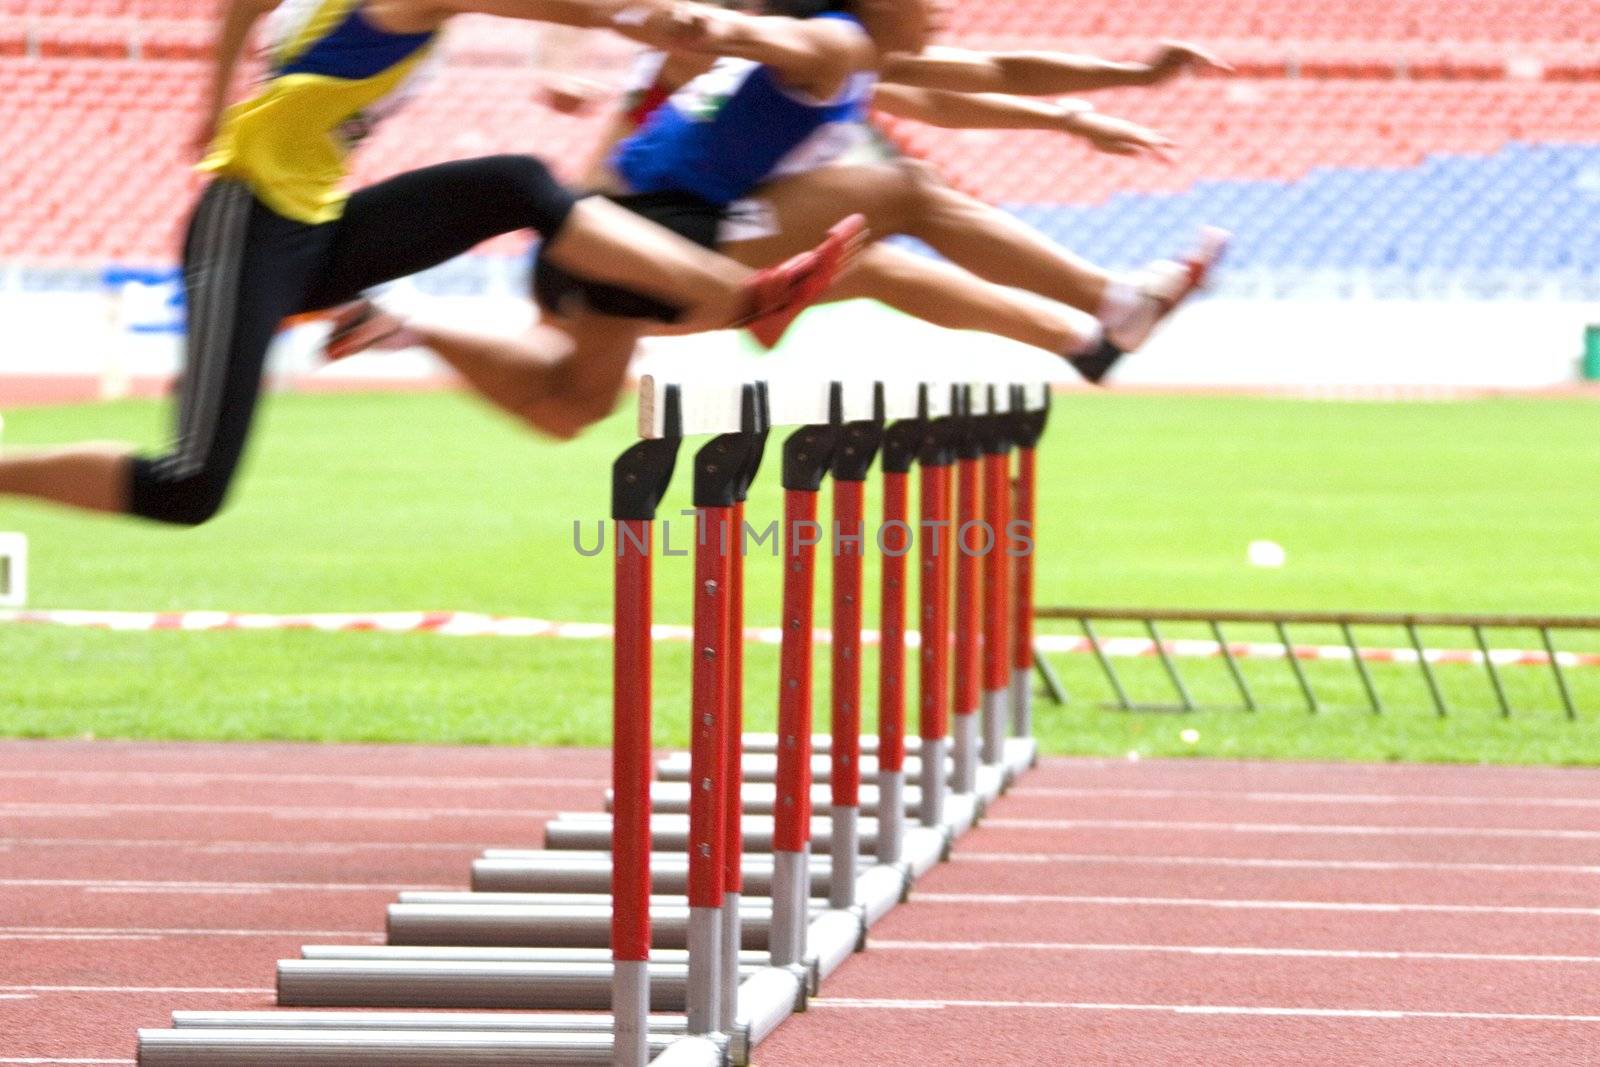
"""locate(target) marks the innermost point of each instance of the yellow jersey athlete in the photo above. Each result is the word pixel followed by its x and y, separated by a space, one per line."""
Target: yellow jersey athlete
pixel 274 234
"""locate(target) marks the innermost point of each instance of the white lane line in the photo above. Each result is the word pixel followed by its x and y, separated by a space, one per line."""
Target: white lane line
pixel 373 781
pixel 1199 1009
pixel 1249 905
pixel 158 931
pixel 271 848
pixel 1351 829
pixel 79 937
pixel 98 811
pixel 42 1059
pixel 1225 950
pixel 1265 797
pixel 1300 768
pixel 17 996
pixel 1253 862
pixel 220 990
pixel 101 885
pixel 155 891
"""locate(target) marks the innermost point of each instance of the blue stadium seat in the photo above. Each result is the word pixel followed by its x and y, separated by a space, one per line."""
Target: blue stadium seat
pixel 1532 209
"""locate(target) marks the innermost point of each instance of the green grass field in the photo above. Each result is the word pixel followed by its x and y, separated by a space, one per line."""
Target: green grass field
pixel 403 502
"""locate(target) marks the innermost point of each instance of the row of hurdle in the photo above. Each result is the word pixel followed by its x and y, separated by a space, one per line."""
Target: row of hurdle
pixel 720 887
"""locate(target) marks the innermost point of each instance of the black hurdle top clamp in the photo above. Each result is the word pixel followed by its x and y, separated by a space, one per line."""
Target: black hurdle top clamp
pixel 906 437
pixel 808 452
pixel 993 429
pixel 641 475
pixel 726 465
pixel 966 425
pixel 858 447
pixel 943 442
pixel 1027 427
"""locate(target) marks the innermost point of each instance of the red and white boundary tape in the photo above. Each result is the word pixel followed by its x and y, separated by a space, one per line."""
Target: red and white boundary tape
pixel 470 624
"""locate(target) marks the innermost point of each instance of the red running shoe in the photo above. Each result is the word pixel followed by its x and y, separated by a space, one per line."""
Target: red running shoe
pixel 359 326
pixel 779 294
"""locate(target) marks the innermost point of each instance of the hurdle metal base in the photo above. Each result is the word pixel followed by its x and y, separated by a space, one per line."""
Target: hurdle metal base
pixel 878 889
pixel 476 984
pixel 760 798
pixel 665 1028
pixel 583 871
pixel 670 833
pixel 755 742
pixel 762 768
pixel 480 954
pixel 963 810
pixel 200 1047
pixel 923 849
pixel 691 1052
pixel 766 999
pixel 833 937
pixel 549 925
pixel 1021 755
pixel 992 781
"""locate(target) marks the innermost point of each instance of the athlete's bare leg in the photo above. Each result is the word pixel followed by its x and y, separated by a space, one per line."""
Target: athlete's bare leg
pixel 908 198
pixel 87 477
pixel 612 244
pixel 948 296
pixel 559 378
pixel 945 295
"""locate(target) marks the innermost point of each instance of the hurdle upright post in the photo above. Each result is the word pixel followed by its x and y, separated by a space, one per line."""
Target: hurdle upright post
pixel 639 479
pixel 807 456
pixel 719 468
pixel 969 586
pixel 994 430
pixel 756 419
pixel 858 447
pixel 935 547
pixel 901 442
pixel 1028 427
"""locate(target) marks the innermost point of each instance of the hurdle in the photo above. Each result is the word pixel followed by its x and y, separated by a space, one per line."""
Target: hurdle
pixel 686 922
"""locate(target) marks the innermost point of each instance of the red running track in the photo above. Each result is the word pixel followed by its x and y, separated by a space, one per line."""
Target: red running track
pixel 1106 913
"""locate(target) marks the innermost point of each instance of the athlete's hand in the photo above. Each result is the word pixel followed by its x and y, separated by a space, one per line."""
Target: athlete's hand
pixel 199 143
pixel 1119 137
pixel 570 95
pixel 1175 58
pixel 670 27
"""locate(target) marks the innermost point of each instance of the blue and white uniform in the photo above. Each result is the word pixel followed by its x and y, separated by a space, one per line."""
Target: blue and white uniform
pixel 736 127
pixel 694 163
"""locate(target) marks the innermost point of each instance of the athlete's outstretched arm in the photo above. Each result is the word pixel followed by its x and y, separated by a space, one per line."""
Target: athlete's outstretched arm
pixel 584 14
pixel 813 55
pixel 238 18
pixel 996 111
pixel 1041 73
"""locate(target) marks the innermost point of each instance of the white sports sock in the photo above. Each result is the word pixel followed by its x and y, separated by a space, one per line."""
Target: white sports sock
pixel 1128 311
pixel 1120 303
pixel 1094 333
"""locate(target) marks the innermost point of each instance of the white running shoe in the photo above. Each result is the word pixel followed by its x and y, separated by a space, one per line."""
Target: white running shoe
pixel 1166 284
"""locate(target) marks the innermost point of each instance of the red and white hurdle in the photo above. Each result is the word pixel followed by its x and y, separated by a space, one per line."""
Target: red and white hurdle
pixel 693 918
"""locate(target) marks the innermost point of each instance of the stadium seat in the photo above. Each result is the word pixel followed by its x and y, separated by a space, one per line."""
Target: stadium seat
pixel 1405 134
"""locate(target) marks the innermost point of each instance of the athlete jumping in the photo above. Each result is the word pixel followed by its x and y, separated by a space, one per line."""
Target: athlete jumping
pixel 746 157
